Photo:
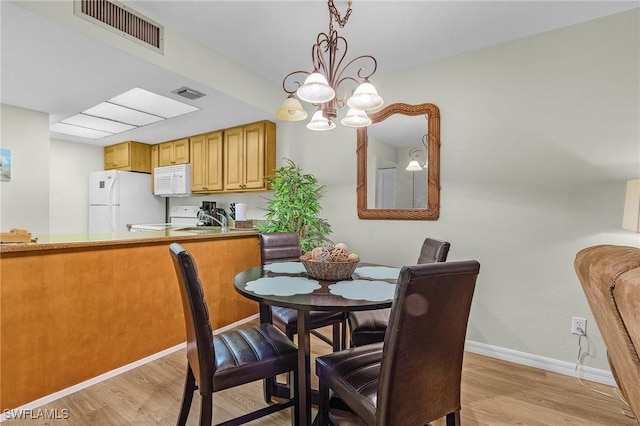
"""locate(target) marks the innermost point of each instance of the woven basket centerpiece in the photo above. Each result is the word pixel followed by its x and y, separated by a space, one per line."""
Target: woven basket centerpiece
pixel 330 262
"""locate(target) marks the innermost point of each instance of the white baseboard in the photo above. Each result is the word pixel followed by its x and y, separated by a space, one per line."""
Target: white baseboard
pixel 543 363
pixel 33 405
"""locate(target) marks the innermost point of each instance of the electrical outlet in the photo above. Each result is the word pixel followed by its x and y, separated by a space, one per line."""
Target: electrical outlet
pixel 579 326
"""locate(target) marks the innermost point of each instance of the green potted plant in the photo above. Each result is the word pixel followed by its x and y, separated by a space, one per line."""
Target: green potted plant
pixel 295 207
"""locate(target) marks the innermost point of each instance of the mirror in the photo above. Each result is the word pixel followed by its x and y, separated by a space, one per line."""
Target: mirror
pixel 398 134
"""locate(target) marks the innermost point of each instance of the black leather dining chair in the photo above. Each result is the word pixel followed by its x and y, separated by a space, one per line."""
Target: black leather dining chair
pixel 414 376
pixel 229 359
pixel 285 247
pixel 370 326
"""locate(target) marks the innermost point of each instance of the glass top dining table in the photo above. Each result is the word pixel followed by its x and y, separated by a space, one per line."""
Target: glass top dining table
pixel 287 284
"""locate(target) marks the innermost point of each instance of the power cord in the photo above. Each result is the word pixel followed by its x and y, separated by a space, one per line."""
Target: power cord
pixel 618 395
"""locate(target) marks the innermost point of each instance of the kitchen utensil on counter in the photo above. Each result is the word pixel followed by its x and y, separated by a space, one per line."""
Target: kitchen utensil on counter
pixel 241 211
pixel 209 207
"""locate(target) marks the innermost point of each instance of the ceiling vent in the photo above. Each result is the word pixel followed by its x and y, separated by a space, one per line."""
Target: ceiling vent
pixel 185 92
pixel 122 20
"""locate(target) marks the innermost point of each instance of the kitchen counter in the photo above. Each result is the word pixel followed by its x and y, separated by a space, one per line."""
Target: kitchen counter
pixel 74 307
pixel 54 242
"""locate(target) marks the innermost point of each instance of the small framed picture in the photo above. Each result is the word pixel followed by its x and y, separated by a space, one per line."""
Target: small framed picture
pixel 5 164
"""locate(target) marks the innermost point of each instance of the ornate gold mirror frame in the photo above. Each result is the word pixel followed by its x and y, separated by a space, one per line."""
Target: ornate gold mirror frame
pixel 432 126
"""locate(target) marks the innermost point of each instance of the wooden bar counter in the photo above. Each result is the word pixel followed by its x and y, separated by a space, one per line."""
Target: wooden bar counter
pixel 75 307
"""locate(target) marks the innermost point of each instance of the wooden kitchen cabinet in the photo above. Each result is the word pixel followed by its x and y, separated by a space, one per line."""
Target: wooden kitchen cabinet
pixel 128 156
pixel 206 162
pixel 249 156
pixel 173 152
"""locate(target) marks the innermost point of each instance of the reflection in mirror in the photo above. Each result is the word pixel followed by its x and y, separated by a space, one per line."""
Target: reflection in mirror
pixel 399 164
pixel 391 145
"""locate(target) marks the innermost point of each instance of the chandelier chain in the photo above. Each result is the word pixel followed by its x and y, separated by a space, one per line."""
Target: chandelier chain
pixel 333 11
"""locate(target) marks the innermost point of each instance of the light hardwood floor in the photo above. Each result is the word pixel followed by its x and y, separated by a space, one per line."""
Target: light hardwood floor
pixel 493 393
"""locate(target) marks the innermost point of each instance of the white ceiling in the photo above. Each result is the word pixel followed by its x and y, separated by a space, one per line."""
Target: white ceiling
pixel 53 69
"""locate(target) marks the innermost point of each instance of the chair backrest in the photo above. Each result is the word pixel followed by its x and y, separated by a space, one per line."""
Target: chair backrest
pixel 280 247
pixel 433 251
pixel 200 352
pixel 421 369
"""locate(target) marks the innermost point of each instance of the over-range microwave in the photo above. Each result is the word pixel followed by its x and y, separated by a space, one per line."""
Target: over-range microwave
pixel 172 181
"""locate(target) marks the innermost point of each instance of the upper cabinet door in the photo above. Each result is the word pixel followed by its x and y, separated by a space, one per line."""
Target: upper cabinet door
pixel 234 158
pixel 254 159
pixel 174 152
pixel 206 162
pixel 214 142
pixel 165 152
pixel 181 151
pixel 249 156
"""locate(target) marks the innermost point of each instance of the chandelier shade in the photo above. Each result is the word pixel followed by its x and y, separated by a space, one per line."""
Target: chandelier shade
pixel 414 166
pixel 320 123
pixel 291 110
pixel 356 118
pixel 365 97
pixel 316 89
pixel 415 154
pixel 330 71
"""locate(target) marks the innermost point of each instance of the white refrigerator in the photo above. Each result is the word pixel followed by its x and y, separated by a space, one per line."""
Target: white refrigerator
pixel 118 198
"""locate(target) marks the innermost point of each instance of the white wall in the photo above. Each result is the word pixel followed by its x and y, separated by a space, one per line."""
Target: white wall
pixel 25 199
pixel 70 164
pixel 538 138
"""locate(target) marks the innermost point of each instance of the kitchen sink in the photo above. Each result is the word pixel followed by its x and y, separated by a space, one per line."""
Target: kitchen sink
pixel 200 229
pixel 205 229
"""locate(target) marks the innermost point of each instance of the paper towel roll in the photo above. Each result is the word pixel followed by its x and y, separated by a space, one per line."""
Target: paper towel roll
pixel 241 211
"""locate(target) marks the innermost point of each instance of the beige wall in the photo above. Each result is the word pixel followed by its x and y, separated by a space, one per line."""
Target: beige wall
pixel 25 199
pixel 70 165
pixel 538 138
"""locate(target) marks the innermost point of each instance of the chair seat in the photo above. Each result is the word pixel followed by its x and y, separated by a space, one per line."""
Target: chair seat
pixel 368 326
pixel 353 374
pixel 251 354
pixel 289 317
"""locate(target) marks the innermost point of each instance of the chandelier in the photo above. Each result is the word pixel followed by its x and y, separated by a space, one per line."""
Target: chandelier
pixel 320 87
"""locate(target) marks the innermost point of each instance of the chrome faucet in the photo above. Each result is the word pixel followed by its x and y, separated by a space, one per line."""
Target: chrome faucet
pixel 222 222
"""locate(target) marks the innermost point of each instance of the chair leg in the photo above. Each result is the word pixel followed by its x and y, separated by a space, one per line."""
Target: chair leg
pixel 290 335
pixel 453 419
pixel 336 337
pixel 343 337
pixel 268 385
pixel 206 413
pixel 187 397
pixel 294 393
pixel 323 404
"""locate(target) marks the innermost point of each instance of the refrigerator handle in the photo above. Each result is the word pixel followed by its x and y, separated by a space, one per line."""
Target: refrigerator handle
pixel 110 203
